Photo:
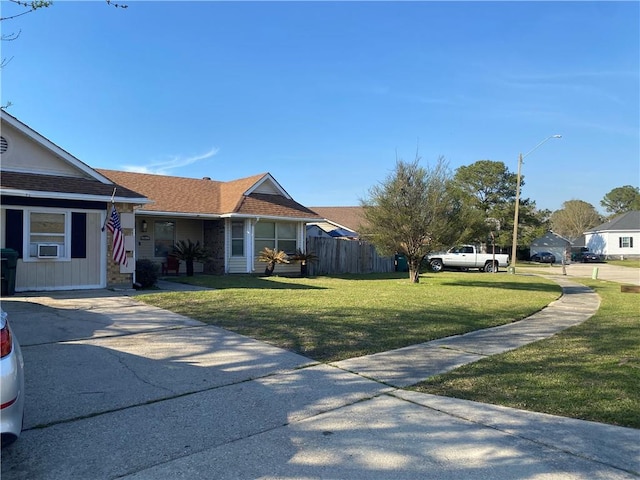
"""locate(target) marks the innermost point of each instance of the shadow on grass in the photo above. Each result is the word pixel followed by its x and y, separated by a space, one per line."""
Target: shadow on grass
pixel 506 285
pixel 328 332
pixel 255 282
pixel 367 276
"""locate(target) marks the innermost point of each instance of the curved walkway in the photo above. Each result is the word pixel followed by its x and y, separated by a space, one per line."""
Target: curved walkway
pixel 410 365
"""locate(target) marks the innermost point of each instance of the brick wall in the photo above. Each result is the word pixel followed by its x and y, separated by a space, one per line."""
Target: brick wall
pixel 115 279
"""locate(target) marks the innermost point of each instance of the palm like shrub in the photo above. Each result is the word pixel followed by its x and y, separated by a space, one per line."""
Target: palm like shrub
pixel 190 252
pixel 304 258
pixel 272 257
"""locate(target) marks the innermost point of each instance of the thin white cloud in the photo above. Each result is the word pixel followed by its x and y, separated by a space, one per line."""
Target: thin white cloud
pixel 176 161
pixel 568 81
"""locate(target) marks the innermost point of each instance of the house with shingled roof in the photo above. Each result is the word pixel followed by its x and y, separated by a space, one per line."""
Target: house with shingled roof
pixel 337 222
pixel 617 238
pixel 53 209
pixel 233 220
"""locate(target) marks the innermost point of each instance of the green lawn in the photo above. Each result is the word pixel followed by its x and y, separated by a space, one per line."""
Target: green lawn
pixel 591 371
pixel 634 262
pixel 333 318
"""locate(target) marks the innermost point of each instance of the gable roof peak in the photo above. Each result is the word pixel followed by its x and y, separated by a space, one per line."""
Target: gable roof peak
pixel 40 139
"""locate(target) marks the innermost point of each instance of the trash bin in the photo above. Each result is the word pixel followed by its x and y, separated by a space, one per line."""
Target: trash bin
pixel 401 263
pixel 8 270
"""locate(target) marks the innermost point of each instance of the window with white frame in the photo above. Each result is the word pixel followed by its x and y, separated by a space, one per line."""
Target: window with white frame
pixel 625 242
pixel 48 234
pixel 237 239
pixel 275 235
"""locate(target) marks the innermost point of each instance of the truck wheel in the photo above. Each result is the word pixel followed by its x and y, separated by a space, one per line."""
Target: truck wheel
pixel 436 264
pixel 489 266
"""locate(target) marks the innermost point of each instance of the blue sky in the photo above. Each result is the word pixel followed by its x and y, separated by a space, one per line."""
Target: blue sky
pixel 326 95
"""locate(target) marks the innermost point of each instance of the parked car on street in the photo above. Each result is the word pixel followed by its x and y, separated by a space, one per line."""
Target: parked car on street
pixel 543 257
pixel 589 257
pixel 11 383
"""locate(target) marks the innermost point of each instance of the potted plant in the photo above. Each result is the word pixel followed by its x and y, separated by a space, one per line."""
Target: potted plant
pixel 271 257
pixel 190 252
pixel 305 258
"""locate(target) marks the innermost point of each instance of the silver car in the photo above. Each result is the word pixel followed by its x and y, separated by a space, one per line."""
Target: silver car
pixel 11 383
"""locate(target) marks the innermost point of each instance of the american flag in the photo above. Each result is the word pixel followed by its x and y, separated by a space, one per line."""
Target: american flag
pixel 119 253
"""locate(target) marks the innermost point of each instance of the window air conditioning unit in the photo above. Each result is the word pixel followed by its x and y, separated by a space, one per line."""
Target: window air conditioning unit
pixel 48 250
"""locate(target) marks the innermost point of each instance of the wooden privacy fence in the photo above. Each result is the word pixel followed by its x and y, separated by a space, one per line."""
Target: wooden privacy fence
pixel 346 256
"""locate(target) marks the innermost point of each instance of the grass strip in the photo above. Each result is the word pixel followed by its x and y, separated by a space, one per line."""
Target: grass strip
pixel 590 372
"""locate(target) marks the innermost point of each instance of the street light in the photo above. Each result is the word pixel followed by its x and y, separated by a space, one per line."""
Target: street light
pixel 514 242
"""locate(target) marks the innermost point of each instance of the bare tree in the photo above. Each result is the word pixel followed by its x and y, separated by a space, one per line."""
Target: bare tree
pixel 25 8
pixel 30 7
pixel 413 212
pixel 33 5
pixel 574 218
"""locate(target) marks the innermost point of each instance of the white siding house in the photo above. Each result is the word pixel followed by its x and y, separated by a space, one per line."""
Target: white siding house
pixel 618 238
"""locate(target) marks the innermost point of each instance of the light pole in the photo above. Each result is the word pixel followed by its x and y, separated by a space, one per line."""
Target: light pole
pixel 514 242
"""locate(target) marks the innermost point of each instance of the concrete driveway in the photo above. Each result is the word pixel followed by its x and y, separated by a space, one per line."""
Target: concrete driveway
pixel 118 389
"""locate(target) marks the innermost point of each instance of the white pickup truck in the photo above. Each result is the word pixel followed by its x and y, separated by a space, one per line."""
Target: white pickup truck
pixel 464 257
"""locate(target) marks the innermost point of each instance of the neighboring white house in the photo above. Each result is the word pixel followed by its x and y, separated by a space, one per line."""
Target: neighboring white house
pixel 618 238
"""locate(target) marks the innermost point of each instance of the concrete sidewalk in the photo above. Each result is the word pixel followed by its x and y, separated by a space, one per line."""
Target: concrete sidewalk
pixel 410 365
pixel 118 389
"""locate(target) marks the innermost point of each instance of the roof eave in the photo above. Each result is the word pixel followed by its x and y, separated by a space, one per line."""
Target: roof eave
pixel 269 217
pixel 73 196
pixel 153 213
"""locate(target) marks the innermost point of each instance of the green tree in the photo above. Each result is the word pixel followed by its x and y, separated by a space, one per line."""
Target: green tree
pixel 489 189
pixel 534 223
pixel 486 183
pixel 574 218
pixel 622 200
pixel 413 212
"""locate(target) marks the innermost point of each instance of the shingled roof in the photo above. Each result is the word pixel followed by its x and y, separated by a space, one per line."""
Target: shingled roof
pixel 625 221
pixel 33 182
pixel 349 217
pixel 194 196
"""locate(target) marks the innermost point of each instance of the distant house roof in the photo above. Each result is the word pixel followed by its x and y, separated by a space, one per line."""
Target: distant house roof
pixel 624 222
pixel 550 239
pixel 350 218
pixel 194 196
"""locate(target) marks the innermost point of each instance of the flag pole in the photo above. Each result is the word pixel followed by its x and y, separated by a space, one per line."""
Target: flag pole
pixel 106 219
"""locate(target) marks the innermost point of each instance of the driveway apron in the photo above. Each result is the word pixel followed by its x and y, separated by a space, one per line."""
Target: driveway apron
pixel 119 389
